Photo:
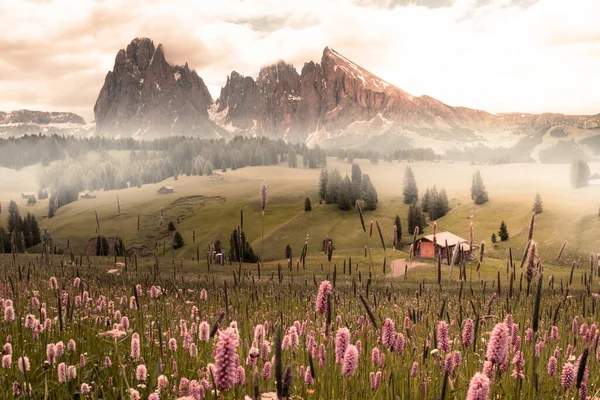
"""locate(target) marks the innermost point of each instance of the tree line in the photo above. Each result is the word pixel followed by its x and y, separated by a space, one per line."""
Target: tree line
pixel 333 189
pixel 22 232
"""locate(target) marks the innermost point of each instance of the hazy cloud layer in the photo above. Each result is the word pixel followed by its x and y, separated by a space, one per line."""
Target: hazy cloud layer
pixel 497 55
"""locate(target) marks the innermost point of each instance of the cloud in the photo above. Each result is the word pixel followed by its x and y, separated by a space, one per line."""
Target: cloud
pixel 497 55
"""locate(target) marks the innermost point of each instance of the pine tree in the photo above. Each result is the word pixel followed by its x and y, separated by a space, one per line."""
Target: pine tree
pixel 537 204
pixel 425 201
pixel 248 254
pixel 288 252
pixel 494 240
pixel 14 218
pixel 208 168
pixel 415 219
pixel 323 184
pixel 223 167
pixel 356 173
pixel 27 231
pixel 334 182
pixel 369 194
pixel 171 226
pixel 410 192
pixel 445 206
pixel 177 240
pixel 478 191
pixel 344 200
pixel 51 207
pixel 292 158
pixel 307 205
pixel 503 232
pixel 398 224
pixel 579 174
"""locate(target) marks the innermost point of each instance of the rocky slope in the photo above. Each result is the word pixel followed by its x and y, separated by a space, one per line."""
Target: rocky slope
pixel 338 103
pixel 28 122
pixel 145 97
pixel 332 103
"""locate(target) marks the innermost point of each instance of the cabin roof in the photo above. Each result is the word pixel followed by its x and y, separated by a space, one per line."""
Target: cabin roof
pixel 442 237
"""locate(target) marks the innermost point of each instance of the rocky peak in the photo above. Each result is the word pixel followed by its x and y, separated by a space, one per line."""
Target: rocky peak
pixel 140 52
pixel 145 96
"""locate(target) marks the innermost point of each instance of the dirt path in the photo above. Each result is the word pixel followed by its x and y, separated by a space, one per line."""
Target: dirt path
pixel 399 265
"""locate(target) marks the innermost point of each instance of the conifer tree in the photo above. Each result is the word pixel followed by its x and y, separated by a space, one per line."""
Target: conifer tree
pixel 579 174
pixel 410 192
pixel 478 190
pixel 398 225
pixel 537 204
pixel 503 232
pixel 177 240
pixel 344 200
pixel 369 194
pixel 292 158
pixel 426 200
pixel 323 184
pixel 307 205
pixel 356 173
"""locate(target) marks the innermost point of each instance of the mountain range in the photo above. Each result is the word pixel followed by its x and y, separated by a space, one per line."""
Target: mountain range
pixel 334 103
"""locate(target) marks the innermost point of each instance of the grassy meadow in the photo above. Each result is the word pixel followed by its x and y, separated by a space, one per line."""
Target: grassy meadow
pixel 212 209
pixel 171 326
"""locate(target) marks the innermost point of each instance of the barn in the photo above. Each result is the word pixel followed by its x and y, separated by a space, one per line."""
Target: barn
pixel 426 247
pixel 165 190
pixel 594 179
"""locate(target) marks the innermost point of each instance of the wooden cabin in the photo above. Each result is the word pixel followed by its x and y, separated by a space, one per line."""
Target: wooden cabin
pixel 88 196
pixel 594 179
pixel 165 190
pixel 426 248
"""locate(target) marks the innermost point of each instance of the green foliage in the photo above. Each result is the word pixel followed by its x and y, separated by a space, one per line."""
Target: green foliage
pixel 323 179
pixel 503 232
pixel 292 158
pixel 479 192
pixel 307 205
pixel 579 173
pixel 435 203
pixel 345 192
pixel 240 249
pixel 537 204
pixel 356 173
pixel 398 225
pixel 410 191
pixel 494 239
pixel 368 193
pixel 177 240
pixel 345 199
pixel 415 219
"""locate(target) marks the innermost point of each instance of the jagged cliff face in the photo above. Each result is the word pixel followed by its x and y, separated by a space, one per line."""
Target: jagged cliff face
pixel 28 122
pixel 332 103
pixel 265 106
pixel 146 97
pixel 338 103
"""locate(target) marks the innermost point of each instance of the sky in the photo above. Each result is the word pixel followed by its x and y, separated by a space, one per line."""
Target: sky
pixel 495 55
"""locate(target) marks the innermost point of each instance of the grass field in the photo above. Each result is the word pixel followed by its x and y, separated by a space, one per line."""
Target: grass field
pixel 157 312
pixel 212 209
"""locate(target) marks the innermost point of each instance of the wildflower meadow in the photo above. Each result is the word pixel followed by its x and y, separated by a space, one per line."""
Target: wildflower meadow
pixel 74 329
